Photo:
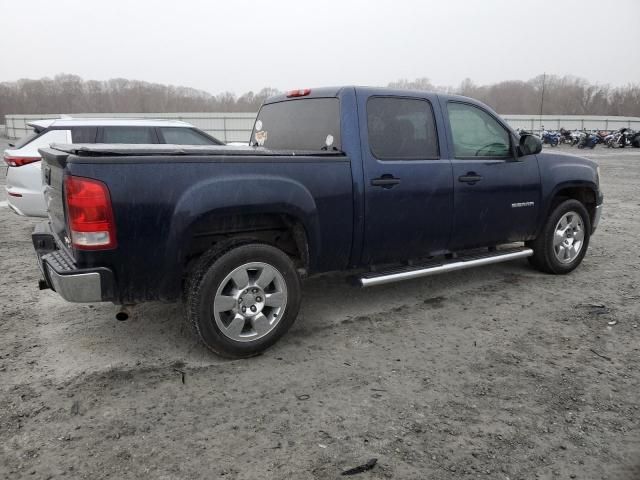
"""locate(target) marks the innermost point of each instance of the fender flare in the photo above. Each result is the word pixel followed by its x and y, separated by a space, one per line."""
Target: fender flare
pixel 239 194
pixel 545 211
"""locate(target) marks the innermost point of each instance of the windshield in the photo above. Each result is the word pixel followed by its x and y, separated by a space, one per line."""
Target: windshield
pixel 308 124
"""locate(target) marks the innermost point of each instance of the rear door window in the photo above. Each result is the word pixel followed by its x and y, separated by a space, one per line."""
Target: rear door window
pixel 401 129
pixel 84 134
pixel 307 124
pixel 185 136
pixel 121 134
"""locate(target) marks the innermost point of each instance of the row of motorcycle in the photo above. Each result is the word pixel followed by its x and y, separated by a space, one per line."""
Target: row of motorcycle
pixel 621 138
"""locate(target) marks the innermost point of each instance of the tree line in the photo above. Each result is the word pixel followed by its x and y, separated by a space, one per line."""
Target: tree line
pixel 563 95
pixel 71 94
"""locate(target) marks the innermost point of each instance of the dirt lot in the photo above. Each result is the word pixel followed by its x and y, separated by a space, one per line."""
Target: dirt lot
pixel 498 372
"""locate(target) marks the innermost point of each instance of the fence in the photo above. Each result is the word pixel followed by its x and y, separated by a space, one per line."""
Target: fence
pixel 571 122
pixel 236 127
pixel 228 127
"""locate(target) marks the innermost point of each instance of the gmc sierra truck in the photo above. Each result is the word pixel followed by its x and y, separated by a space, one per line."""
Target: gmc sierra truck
pixel 391 184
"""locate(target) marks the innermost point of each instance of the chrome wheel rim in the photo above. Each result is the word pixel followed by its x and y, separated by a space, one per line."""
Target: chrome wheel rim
pixel 568 238
pixel 250 302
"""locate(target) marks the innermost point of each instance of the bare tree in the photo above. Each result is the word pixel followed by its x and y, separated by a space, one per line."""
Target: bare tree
pixel 567 95
pixel 66 93
pixel 70 94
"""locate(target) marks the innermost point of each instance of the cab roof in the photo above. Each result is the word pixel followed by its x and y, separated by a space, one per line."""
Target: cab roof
pixel 336 91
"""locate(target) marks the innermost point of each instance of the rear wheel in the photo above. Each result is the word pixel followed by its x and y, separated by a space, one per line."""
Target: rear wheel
pixel 564 239
pixel 242 300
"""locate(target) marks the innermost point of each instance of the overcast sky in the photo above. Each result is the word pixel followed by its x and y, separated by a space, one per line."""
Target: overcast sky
pixel 238 45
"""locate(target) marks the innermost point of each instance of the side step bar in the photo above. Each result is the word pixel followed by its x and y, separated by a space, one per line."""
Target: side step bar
pixel 416 271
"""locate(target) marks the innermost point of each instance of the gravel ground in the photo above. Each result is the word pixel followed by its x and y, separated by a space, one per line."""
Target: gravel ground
pixel 498 372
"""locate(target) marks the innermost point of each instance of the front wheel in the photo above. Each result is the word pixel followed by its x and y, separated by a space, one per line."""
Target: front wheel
pixel 242 300
pixel 564 239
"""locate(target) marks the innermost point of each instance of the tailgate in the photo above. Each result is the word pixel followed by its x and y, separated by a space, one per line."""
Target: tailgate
pixel 53 167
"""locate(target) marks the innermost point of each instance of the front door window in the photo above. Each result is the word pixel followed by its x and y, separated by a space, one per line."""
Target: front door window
pixel 476 133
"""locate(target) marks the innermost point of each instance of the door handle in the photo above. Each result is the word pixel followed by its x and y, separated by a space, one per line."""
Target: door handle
pixel 470 178
pixel 385 181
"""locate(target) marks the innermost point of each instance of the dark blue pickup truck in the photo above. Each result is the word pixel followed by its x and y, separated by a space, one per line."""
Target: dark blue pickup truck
pixel 391 184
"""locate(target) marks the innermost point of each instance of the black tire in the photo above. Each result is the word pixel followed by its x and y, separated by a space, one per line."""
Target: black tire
pixel 544 256
pixel 207 278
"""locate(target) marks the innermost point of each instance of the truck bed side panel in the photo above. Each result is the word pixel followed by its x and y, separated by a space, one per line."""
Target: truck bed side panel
pixel 157 203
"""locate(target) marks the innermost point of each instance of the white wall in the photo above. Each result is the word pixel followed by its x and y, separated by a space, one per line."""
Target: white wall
pixel 236 127
pixel 571 122
pixel 228 127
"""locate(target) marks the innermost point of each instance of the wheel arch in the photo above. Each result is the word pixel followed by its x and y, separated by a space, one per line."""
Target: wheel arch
pixel 282 230
pixel 585 192
pixel 256 207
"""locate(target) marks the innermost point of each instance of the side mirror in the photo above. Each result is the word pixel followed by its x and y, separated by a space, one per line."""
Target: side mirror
pixel 529 145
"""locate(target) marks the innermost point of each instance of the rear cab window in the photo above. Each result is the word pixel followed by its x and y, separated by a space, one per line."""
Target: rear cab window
pixel 303 124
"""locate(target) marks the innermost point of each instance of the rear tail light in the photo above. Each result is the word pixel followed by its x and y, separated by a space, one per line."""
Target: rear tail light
pixel 303 92
pixel 89 214
pixel 18 161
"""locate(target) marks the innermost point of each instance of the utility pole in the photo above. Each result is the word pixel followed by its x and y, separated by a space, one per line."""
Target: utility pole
pixel 544 79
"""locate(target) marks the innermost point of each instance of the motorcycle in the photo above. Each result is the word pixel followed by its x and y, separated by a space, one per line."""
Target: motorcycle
pixel 609 140
pixel 575 138
pixel 587 140
pixel 566 136
pixel 550 138
pixel 619 139
pixel 602 136
pixel 627 135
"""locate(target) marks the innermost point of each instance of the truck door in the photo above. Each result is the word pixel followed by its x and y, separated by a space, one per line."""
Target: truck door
pixel 496 196
pixel 407 185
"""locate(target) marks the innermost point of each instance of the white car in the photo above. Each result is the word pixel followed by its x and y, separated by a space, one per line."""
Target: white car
pixel 24 182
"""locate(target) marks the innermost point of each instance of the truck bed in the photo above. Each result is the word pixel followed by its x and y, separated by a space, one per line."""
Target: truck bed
pixel 165 195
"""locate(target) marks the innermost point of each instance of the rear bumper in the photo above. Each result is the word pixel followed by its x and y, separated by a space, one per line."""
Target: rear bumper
pixel 63 276
pixel 23 202
pixel 75 287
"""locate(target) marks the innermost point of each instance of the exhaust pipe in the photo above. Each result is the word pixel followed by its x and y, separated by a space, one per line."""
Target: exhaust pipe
pixel 124 312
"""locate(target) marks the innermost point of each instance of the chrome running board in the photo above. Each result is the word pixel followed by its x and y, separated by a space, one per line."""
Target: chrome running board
pixel 446 265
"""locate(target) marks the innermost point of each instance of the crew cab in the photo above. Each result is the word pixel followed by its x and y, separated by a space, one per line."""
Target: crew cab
pixel 390 184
